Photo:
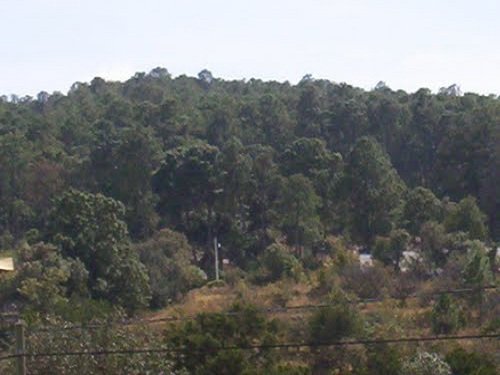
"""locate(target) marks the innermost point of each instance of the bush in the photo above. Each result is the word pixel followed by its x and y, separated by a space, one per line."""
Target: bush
pixel 464 363
pixel 383 360
pixel 467 217
pixel 335 322
pixel 209 332
pixel 167 257
pixel 277 262
pixel 367 282
pixel 446 316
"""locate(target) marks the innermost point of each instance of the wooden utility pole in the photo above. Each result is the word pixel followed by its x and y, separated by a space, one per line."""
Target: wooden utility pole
pixel 20 348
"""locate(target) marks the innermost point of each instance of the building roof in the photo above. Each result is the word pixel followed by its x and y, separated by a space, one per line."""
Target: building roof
pixel 6 264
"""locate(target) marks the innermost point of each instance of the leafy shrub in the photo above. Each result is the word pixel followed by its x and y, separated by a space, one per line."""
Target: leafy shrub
pixel 204 336
pixel 446 316
pixel 335 322
pixel 167 257
pixel 369 282
pixel 390 250
pixel 277 262
pixel 383 360
pixel 464 363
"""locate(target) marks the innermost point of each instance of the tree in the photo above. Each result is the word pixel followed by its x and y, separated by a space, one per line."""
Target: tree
pixel 421 205
pixel 373 188
pixel 477 271
pixel 465 363
pixel 168 259
pixel 434 243
pixel 205 78
pixel 187 184
pixel 383 360
pixel 308 156
pixel 90 228
pixel 335 322
pixel 277 261
pixel 446 317
pixel 121 165
pixel 298 207
pixel 209 332
pixel 390 251
pixel 43 276
pixel 467 217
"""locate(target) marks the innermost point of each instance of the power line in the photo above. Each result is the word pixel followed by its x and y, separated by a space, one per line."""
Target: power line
pixel 255 347
pixel 269 310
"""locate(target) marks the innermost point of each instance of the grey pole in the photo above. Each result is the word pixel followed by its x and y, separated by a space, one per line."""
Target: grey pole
pixel 20 348
pixel 216 249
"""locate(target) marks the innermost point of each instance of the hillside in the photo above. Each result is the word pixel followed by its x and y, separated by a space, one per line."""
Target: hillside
pixel 115 197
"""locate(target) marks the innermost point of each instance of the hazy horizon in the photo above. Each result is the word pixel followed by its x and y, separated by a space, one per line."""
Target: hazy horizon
pixel 50 44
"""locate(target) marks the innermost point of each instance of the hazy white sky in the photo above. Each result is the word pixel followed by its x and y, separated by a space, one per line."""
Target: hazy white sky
pixel 49 44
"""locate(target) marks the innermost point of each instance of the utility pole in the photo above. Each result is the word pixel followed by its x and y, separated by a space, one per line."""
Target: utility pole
pixel 216 250
pixel 20 348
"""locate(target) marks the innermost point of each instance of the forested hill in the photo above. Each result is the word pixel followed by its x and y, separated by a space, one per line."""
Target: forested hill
pixel 167 148
pixel 113 196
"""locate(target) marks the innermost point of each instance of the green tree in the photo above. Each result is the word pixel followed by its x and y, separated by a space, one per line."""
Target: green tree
pixel 421 205
pixel 383 360
pixel 390 250
pixel 336 322
pixel 434 242
pixel 187 185
pixel 121 166
pixel 168 259
pixel 43 276
pixel 477 273
pixel 90 228
pixel 298 207
pixel 465 363
pixel 467 217
pixel 445 315
pixel 205 335
pixel 277 261
pixel 374 190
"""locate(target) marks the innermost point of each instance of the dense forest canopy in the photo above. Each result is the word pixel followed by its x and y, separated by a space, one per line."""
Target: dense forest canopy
pixel 114 193
pixel 167 148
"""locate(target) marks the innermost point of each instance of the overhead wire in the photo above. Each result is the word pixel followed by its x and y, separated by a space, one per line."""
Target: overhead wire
pixel 269 310
pixel 289 345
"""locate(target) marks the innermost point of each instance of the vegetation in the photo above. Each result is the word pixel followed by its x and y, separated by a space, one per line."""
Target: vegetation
pixel 113 197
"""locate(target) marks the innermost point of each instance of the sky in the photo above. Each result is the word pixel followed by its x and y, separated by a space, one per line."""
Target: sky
pixel 50 44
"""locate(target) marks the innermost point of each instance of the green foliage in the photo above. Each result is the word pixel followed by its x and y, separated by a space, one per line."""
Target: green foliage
pixel 43 276
pixel 434 242
pixel 464 363
pixel 390 250
pixel 205 337
pixel 421 206
pixel 374 190
pixel 467 217
pixel 277 262
pixel 254 164
pixel 167 257
pixel 383 360
pixel 446 315
pixel 335 322
pixel 108 338
pixel 477 270
pixel 298 207
pixel 369 282
pixel 90 228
